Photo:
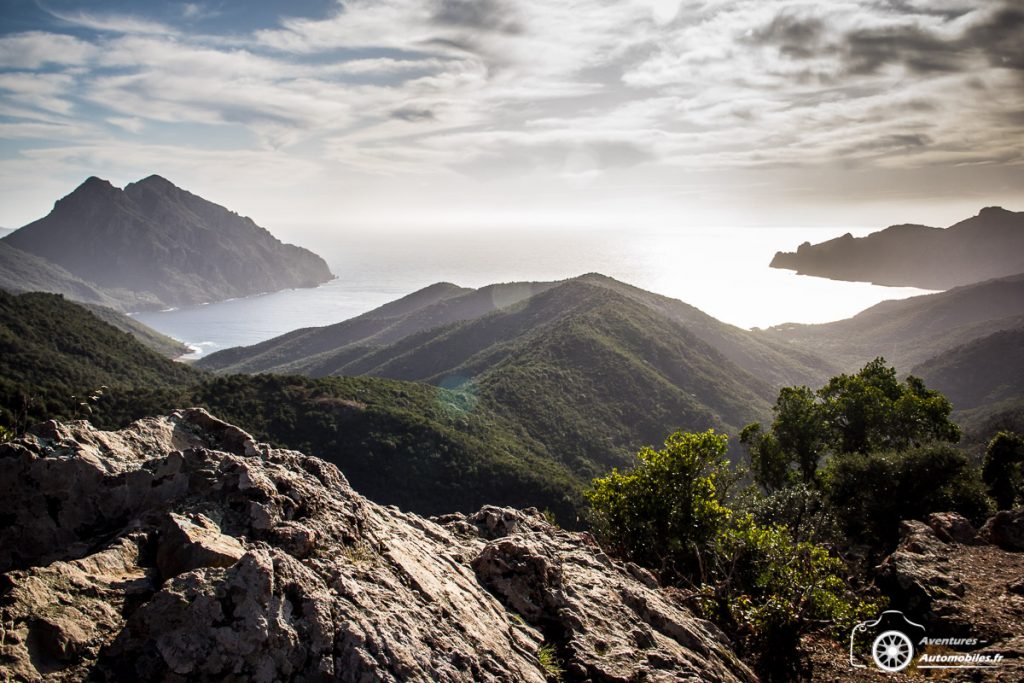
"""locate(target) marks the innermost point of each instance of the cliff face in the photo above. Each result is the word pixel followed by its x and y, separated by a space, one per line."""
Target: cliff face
pixel 180 549
pixel 166 246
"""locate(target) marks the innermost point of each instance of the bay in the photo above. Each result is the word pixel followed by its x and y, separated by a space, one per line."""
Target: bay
pixel 722 271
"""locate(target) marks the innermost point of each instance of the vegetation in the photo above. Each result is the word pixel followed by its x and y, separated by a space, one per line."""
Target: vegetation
pixel 766 588
pixel 666 512
pixel 1003 471
pixel 870 493
pixel 52 351
pixel 860 413
pixel 427 449
pixel 549 662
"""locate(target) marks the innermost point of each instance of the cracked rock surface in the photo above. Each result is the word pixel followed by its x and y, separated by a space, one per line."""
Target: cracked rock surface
pixel 179 549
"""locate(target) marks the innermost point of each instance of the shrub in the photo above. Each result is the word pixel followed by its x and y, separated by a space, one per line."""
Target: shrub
pixel 871 493
pixel 666 512
pixel 770 590
pixel 756 581
pixel 803 510
pixel 1003 471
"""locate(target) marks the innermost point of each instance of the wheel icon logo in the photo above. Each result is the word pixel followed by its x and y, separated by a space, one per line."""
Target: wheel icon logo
pixel 892 651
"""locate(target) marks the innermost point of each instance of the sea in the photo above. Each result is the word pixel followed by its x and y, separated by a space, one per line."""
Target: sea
pixel 722 271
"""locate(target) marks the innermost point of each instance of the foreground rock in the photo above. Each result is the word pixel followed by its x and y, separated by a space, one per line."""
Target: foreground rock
pixel 1006 529
pixel 960 589
pixel 180 549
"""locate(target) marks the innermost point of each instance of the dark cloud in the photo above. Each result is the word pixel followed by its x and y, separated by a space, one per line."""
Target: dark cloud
pixel 480 15
pixel 796 37
pixel 413 114
pixel 999 37
pixel 867 51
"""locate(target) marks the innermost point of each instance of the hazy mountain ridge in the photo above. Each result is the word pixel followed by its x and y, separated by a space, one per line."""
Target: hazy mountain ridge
pixel 983 247
pixel 989 370
pixel 326 350
pixel 910 331
pixel 21 272
pixel 166 245
pixel 589 371
pixel 428 308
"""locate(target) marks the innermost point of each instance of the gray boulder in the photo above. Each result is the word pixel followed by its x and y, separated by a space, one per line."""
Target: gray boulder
pixel 179 549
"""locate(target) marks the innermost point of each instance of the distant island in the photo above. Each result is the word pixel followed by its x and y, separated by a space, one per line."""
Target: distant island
pixel 983 247
pixel 149 246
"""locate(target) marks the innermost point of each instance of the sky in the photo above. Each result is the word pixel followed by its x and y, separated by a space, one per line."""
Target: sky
pixel 628 114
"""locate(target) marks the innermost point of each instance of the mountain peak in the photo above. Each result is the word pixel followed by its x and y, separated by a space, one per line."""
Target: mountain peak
pixel 120 239
pixel 91 191
pixel 93 184
pixel 154 183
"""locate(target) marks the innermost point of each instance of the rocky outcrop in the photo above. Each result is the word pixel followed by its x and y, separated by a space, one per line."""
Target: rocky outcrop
pixel 1005 529
pixel 969 589
pixel 952 527
pixel 180 549
pixel 918 575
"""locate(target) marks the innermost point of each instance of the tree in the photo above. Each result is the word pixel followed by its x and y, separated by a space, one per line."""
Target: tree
pixel 1003 471
pixel 871 492
pixel 868 411
pixel 666 512
pixel 771 465
pixel 872 410
pixel 799 428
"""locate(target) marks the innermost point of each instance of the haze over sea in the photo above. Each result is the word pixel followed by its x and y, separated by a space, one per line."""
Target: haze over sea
pixel 723 272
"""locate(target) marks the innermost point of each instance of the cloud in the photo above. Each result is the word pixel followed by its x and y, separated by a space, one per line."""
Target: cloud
pixel 36 49
pixel 113 23
pixel 40 91
pixel 564 91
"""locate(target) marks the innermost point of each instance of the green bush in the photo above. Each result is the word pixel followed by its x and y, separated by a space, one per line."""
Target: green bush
pixel 802 509
pixel 860 413
pixel 665 513
pixel 756 581
pixel 871 493
pixel 1003 471
pixel 770 590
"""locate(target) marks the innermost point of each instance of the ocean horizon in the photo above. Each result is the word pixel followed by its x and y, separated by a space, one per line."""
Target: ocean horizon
pixel 723 272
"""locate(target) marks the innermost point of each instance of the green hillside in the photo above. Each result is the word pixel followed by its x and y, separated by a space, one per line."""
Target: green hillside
pixel 423 448
pixel 989 370
pixel 589 367
pixel 155 341
pixel 910 331
pixel 52 351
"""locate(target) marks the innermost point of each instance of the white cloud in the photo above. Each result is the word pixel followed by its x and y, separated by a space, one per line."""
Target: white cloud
pixel 451 89
pixel 114 23
pixel 35 49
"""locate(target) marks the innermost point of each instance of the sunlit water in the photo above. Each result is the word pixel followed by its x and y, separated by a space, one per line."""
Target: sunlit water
pixel 724 272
